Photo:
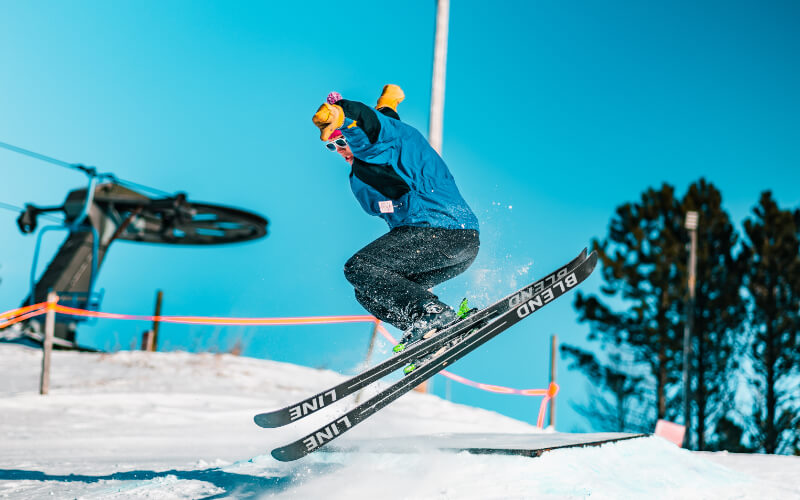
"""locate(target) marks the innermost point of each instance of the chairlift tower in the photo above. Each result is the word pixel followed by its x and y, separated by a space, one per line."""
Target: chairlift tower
pixel 102 213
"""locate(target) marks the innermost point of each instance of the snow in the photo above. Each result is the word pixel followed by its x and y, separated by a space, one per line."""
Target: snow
pixel 518 444
pixel 179 425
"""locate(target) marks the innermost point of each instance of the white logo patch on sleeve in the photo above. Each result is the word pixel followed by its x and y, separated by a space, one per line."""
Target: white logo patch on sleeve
pixel 386 207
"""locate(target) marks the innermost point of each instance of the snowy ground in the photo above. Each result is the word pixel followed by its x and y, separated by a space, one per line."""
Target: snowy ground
pixel 178 425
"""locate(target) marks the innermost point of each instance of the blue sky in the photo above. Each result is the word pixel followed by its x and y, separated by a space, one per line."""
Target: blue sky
pixel 555 113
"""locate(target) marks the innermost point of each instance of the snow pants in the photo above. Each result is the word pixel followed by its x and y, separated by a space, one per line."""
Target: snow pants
pixel 392 275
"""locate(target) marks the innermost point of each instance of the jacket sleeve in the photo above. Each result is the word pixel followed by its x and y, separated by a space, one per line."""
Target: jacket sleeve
pixel 365 116
pixel 376 138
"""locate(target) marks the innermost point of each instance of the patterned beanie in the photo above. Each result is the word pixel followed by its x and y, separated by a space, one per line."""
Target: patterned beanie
pixel 334 97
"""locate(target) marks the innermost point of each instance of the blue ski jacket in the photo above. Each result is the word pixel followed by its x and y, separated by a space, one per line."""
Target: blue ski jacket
pixel 398 176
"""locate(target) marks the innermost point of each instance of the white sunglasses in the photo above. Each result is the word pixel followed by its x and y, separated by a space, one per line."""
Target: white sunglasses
pixel 339 142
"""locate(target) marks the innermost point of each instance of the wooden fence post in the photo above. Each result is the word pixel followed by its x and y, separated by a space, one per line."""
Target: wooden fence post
pixel 147 340
pixel 47 343
pixel 553 350
pixel 153 345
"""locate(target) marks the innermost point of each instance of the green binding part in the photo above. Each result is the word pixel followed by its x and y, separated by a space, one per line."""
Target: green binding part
pixel 408 369
pixel 463 309
pixel 462 312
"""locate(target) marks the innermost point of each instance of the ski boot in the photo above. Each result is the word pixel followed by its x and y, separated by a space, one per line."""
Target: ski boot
pixel 463 311
pixel 432 317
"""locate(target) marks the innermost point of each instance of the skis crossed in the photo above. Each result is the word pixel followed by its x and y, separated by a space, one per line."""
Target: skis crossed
pixel 447 346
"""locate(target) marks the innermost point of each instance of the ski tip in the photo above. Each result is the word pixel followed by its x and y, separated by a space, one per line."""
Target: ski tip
pixel 283 455
pixel 593 261
pixel 265 420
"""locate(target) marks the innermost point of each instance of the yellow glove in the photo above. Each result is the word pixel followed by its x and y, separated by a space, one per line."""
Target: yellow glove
pixel 391 96
pixel 328 118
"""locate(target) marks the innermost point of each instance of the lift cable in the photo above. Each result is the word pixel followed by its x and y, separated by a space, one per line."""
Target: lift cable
pixel 14 208
pixel 90 171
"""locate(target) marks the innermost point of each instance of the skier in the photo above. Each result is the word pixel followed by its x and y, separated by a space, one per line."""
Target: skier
pixel 397 175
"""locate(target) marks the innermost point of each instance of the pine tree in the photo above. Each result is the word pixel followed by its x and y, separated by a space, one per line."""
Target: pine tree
pixel 615 395
pixel 771 256
pixel 645 270
pixel 728 436
pixel 640 259
pixel 718 308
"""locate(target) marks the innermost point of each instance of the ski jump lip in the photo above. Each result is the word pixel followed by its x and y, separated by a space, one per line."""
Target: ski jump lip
pixel 526 445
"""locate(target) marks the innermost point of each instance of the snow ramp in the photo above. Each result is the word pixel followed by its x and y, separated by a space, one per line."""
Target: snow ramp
pixel 526 445
pixel 631 468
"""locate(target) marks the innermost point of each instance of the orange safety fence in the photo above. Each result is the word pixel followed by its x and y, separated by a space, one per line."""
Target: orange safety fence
pixel 13 316
pixel 22 310
pixel 21 314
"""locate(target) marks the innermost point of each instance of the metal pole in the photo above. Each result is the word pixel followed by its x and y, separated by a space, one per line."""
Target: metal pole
pixel 153 344
pixel 691 225
pixel 553 349
pixel 439 68
pixel 47 343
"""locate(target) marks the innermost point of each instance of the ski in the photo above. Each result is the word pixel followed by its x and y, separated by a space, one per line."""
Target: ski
pixel 522 308
pixel 350 386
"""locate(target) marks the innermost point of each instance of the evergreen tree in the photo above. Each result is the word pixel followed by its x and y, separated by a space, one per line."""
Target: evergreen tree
pixel 640 266
pixel 644 260
pixel 771 256
pixel 728 436
pixel 615 395
pixel 718 310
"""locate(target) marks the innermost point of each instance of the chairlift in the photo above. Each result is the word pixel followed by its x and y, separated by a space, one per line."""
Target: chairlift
pixel 106 211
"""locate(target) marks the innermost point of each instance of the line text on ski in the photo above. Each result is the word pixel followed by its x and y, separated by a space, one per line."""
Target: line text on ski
pixel 327 433
pixel 312 405
pixel 547 295
pixel 537 287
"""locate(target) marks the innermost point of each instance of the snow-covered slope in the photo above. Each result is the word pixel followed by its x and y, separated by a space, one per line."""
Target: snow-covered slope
pixel 179 425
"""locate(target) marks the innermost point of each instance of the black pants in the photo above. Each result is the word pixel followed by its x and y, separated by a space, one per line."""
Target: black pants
pixel 392 274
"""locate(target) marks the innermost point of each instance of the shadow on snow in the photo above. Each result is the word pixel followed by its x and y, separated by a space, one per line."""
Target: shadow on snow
pixel 241 485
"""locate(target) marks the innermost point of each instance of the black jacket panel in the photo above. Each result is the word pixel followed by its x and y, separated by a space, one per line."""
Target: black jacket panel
pixel 381 177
